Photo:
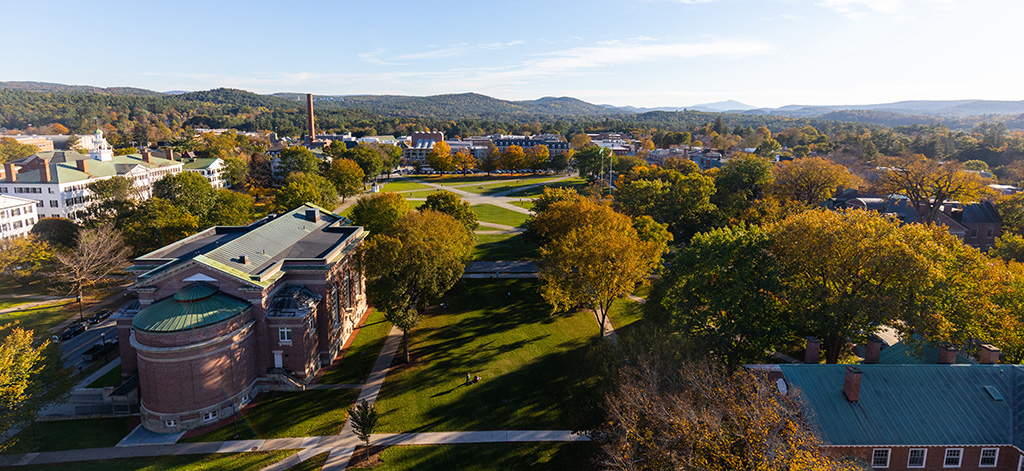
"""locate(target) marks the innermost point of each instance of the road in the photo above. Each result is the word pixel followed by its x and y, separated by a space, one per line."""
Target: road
pixel 106 330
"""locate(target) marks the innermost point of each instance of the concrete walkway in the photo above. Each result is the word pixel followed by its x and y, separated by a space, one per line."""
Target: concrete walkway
pixel 42 301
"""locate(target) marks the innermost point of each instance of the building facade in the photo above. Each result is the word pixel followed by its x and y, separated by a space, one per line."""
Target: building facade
pixel 58 181
pixel 17 216
pixel 556 144
pixel 235 311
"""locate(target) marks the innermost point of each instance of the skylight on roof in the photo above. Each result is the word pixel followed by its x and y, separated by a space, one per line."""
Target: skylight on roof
pixel 992 391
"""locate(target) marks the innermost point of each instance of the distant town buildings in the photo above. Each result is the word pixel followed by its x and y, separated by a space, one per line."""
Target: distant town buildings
pixel 17 216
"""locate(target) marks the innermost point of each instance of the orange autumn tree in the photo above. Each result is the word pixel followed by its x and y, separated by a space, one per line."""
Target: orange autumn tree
pixel 700 417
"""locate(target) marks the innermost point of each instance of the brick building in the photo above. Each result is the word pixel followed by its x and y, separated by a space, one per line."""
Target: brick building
pixel 952 414
pixel 234 311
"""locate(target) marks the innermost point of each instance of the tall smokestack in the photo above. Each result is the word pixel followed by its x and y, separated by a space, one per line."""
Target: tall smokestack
pixel 309 118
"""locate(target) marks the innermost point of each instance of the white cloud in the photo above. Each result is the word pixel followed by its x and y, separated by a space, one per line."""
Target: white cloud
pixel 859 9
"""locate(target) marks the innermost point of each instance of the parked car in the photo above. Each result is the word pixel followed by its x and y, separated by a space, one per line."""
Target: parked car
pixel 100 316
pixel 72 331
pixel 99 349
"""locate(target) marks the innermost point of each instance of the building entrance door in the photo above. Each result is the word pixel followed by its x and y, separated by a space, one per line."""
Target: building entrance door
pixel 278 360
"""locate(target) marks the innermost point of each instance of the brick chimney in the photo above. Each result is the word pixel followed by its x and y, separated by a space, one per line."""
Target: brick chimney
pixel 146 157
pixel 988 355
pixel 44 172
pixel 947 354
pixel 313 215
pixel 873 350
pixel 813 349
pixel 170 154
pixel 83 165
pixel 10 172
pixel 851 384
pixel 309 118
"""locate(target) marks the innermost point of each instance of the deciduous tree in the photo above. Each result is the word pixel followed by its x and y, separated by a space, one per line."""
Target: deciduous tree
pixel 452 205
pixel 364 419
pixel 464 161
pixel 31 375
pixel 302 188
pixel 189 191
pixel 412 263
pixel 22 258
pixel 379 211
pixel 346 176
pixel 297 159
pixel 99 254
pixel 928 184
pixel 810 180
pixel 440 157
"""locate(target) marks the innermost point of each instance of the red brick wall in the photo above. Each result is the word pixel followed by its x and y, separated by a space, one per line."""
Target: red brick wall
pixel 898 455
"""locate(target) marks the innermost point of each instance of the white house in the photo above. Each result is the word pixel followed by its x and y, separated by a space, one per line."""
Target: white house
pixel 17 216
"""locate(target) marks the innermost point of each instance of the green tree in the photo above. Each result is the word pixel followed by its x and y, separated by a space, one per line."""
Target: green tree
pixel 848 272
pixel 724 292
pixel 1009 247
pixel 236 171
pixel 368 159
pixel 768 148
pixel 1011 210
pixel 156 223
pixel 297 159
pixel 379 211
pixel 232 209
pixel 11 150
pixel 681 201
pixel 58 232
pixel 364 419
pixel 302 188
pixel 414 262
pixel 189 191
pixel 592 261
pixel 346 176
pixel 592 160
pixel 452 205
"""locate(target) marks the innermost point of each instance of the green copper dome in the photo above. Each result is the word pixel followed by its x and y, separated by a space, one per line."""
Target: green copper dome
pixel 194 306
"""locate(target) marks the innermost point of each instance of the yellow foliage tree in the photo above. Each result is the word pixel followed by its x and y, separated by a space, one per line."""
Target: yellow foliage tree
pixel 929 184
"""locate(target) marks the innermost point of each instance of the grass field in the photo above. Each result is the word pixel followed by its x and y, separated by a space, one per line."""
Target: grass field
pixel 418 194
pixel 529 360
pixel 109 379
pixel 494 188
pixel 495 247
pixel 625 312
pixel 358 360
pixel 415 204
pixel 576 182
pixel 11 302
pixel 499 215
pixel 288 414
pixel 42 318
pixel 470 457
pixel 403 185
pixel 71 434
pixel 251 461
pixel 526 204
pixel 456 180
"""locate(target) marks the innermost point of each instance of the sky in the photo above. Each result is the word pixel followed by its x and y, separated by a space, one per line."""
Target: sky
pixel 644 53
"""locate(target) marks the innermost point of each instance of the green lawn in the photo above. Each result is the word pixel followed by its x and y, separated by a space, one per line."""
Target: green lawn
pixel 456 180
pixel 288 414
pixel 495 247
pixel 494 188
pixel 71 434
pixel 576 182
pixel 315 463
pixel 403 185
pixel 499 215
pixel 418 194
pixel 42 318
pixel 37 286
pixel 415 204
pixel 489 456
pixel 526 204
pixel 625 312
pixel 109 379
pixel 530 361
pixel 358 360
pixel 11 302
pixel 252 461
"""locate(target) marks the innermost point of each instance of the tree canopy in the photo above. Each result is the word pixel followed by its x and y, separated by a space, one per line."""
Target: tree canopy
pixel 377 212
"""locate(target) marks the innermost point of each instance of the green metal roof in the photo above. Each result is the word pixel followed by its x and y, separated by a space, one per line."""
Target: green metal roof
pixel 194 306
pixel 913 404
pixel 201 163
pixel 63 169
pixel 902 354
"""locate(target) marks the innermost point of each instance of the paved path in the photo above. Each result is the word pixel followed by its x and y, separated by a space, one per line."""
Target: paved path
pixel 42 301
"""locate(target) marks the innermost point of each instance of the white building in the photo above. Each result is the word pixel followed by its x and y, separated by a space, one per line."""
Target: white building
pixel 17 216
pixel 211 168
pixel 58 181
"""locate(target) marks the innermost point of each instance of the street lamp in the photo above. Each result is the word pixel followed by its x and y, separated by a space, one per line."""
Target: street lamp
pixel 80 316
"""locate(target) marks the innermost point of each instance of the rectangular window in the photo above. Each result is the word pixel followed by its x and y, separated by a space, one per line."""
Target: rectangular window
pixel 916 457
pixel 989 457
pixel 333 301
pixel 208 416
pixel 16 212
pixel 170 423
pixel 50 190
pixel 40 204
pixel 952 458
pixel 54 203
pixel 311 327
pixel 284 334
pixel 880 458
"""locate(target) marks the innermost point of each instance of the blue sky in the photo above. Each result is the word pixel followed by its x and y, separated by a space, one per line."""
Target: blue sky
pixel 628 52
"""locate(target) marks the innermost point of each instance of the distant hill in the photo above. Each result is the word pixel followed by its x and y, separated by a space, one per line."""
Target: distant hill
pixel 728 105
pixel 469 105
pixel 232 96
pixel 45 87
